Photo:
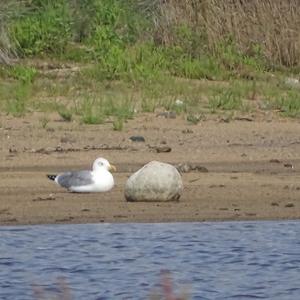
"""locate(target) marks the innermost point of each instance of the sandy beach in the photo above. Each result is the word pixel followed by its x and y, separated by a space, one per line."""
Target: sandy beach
pixel 245 169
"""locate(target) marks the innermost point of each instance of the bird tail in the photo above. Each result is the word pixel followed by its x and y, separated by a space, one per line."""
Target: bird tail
pixel 51 176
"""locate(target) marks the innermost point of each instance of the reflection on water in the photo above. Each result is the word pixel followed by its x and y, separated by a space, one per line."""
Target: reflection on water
pixel 234 260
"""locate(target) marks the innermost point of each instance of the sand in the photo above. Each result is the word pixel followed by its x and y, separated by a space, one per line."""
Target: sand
pixel 252 169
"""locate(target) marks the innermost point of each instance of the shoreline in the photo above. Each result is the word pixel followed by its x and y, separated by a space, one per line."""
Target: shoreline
pixel 238 171
pixel 211 221
pixel 208 196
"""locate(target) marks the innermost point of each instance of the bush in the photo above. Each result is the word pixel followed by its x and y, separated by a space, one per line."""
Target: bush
pixel 195 39
pixel 44 30
pixel 22 73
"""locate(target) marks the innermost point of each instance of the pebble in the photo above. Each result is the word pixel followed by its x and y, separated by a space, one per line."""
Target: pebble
pixel 137 138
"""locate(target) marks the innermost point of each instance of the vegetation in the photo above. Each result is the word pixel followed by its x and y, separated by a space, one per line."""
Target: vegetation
pixel 107 59
pixel 65 113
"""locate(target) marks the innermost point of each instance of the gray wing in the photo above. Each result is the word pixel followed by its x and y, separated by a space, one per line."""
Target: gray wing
pixel 77 178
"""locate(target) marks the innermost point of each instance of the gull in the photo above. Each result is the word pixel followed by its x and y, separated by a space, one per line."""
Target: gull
pixel 86 181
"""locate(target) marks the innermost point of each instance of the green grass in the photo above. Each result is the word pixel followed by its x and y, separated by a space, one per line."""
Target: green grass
pixel 92 118
pixel 22 73
pixel 95 110
pixel 226 100
pixel 122 107
pixel 86 98
pixel 118 124
pixel 18 103
pixel 118 41
pixel 288 104
pixel 91 112
pixel 124 68
pixel 65 113
pixel 149 104
pixel 45 29
pixel 195 118
pixel 44 121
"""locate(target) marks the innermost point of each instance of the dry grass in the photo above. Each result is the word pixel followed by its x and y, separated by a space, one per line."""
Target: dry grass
pixel 268 27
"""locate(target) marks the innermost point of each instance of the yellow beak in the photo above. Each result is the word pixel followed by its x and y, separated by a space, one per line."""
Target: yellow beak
pixel 112 168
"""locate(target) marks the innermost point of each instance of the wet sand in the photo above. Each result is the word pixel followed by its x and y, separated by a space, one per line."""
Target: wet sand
pixel 252 169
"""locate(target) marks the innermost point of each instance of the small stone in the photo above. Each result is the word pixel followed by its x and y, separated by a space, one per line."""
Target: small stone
pixel 59 148
pixel 289 205
pixel 216 186
pixel 12 150
pixel 49 198
pixel 274 204
pixel 137 138
pixel 288 165
pixel 249 119
pixel 187 131
pixel 160 149
pixel 275 161
pixel 156 181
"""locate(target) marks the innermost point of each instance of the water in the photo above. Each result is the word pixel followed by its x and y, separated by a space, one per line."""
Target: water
pixel 234 260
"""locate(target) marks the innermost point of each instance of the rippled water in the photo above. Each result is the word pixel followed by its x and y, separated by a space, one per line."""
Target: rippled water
pixel 234 260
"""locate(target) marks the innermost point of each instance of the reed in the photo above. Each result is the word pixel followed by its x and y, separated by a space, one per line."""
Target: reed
pixel 267 30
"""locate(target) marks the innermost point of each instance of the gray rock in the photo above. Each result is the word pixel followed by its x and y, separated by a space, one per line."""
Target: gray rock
pixel 156 181
pixel 137 138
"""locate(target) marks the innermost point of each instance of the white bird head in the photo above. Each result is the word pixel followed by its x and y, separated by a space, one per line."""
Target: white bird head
pixel 102 163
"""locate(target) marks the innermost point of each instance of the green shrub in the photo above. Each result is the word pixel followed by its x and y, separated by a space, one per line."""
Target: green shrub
pixel 120 107
pixel 289 105
pixel 65 113
pixel 199 68
pixel 44 30
pixel 91 112
pixel 149 104
pixel 118 124
pixel 22 73
pixel 17 105
pixel 226 100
